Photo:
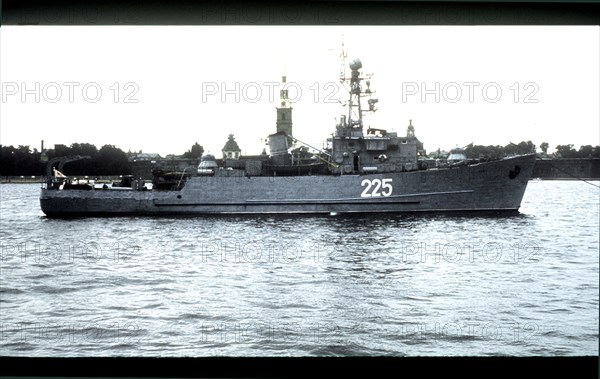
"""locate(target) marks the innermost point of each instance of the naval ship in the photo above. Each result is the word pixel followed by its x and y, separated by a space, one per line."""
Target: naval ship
pixel 358 171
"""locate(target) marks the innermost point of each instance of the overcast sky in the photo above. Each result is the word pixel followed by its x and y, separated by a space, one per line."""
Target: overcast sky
pixel 171 82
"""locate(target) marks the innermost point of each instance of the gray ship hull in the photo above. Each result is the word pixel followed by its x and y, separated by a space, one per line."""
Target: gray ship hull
pixel 490 186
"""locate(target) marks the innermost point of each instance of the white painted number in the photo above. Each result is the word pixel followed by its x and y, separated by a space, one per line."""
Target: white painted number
pixel 387 185
pixel 377 184
pixel 366 193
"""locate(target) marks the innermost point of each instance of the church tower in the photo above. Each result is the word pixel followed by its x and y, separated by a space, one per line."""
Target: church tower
pixel 284 113
pixel 410 134
pixel 231 150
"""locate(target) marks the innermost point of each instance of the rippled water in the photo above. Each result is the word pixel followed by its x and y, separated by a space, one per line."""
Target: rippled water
pixel 260 286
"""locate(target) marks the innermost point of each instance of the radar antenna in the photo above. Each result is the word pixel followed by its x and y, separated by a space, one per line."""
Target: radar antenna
pixel 355 111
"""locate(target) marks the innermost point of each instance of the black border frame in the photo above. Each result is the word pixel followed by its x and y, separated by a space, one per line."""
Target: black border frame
pixel 228 12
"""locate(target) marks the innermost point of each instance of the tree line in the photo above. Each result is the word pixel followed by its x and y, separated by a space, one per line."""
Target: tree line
pixel 526 147
pixel 108 160
pixel 567 151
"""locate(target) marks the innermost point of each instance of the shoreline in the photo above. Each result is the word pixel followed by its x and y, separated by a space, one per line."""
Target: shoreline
pixel 42 179
pixel 98 181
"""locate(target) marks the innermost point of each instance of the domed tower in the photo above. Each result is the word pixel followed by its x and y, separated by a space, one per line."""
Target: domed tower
pixel 231 150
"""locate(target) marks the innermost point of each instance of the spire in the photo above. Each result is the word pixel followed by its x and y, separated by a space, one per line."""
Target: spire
pixel 283 94
pixel 284 112
pixel 410 131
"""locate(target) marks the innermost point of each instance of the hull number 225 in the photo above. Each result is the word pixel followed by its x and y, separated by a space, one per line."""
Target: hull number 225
pixel 376 187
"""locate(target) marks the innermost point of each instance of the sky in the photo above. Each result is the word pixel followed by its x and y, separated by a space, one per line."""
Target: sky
pixel 160 89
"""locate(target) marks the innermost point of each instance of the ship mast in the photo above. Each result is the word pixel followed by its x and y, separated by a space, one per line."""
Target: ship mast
pixel 355 111
pixel 355 91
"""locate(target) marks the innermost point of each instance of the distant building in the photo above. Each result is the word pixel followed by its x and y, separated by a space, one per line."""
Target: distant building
pixel 144 157
pixel 410 134
pixel 60 149
pixel 231 150
pixel 457 154
pixel 439 154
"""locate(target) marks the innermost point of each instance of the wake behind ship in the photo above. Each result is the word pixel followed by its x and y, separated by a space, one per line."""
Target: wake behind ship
pixel 358 172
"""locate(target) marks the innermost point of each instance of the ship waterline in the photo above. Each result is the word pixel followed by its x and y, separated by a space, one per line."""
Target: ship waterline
pixel 487 186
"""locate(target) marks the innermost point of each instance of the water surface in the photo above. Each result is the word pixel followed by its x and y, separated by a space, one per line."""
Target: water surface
pixel 259 286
